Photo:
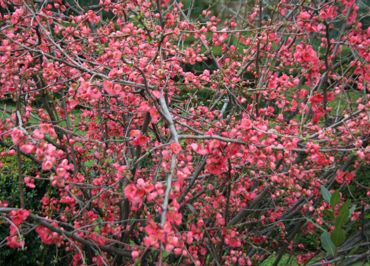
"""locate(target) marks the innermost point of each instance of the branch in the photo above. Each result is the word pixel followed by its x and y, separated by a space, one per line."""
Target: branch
pixel 175 138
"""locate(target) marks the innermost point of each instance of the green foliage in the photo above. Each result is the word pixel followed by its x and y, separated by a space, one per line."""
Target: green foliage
pixel 330 242
pixel 357 192
pixel 285 261
pixel 327 244
pixel 83 3
pixel 34 252
pixel 335 199
pixel 199 67
pixel 195 7
pixel 325 194
pixel 199 96
pixel 343 215
pixel 9 181
pixel 338 236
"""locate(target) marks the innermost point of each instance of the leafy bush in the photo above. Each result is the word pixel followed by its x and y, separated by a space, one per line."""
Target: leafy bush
pixel 184 133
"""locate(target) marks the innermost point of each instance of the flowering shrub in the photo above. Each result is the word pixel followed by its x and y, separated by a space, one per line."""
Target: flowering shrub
pixel 166 138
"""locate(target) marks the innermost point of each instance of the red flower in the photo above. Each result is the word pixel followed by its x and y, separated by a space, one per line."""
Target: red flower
pixel 216 165
pixel 18 136
pixel 138 138
pixel 29 182
pixel 48 237
pixel 317 114
pixel 344 177
pixel 175 147
pixel 14 242
pixel 318 98
pixel 18 216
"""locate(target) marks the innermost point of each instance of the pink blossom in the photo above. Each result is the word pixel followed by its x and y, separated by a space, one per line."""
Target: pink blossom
pixel 18 216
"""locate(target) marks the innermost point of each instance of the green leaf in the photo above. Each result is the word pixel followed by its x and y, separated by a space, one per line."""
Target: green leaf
pixel 325 193
pixel 328 215
pixel 338 236
pixel 165 254
pixel 327 244
pixel 97 229
pixel 343 215
pixel 335 198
